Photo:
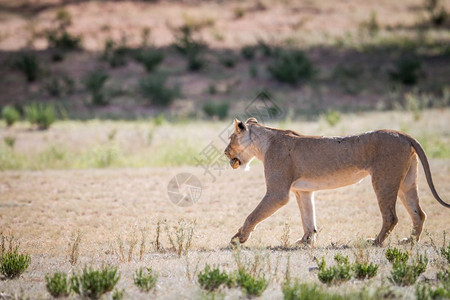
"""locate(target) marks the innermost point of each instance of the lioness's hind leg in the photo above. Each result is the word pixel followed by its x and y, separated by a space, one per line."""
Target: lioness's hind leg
pixel 386 192
pixel 305 201
pixel 410 198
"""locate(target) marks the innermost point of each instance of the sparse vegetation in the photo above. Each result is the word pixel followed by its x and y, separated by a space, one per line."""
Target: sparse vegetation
pixel 93 283
pixel 365 270
pixel 292 66
pixel 213 109
pixel 10 115
pixel 180 236
pixel 115 53
pixel 145 280
pixel 154 88
pixel 94 83
pixel 445 252
pixel 58 37
pixel 250 285
pixel 59 86
pixel 12 263
pixel 40 114
pixel 437 13
pixel 335 274
pixel 10 141
pixel 58 285
pixel 332 117
pixel 150 59
pixel 249 52
pixel 406 70
pixel 29 65
pixel 404 274
pixel 211 279
pixel 394 254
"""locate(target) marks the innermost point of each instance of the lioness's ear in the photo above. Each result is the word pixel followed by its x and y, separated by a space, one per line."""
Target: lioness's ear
pixel 239 126
pixel 251 121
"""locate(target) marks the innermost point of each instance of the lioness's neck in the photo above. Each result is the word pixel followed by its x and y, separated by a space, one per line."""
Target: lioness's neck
pixel 260 137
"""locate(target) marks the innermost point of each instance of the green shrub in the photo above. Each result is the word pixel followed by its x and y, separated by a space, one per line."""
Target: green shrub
pixel 185 42
pixel 445 252
pixel 266 49
pixel 58 37
pixel 437 12
pixel 291 66
pixel 145 281
pixel 228 60
pixel 118 294
pixel 394 254
pixel 365 270
pixel 10 115
pixel 115 55
pixel 155 89
pixel 94 83
pixel 293 290
pixel 335 274
pixel 332 117
pixel 150 59
pixel 10 141
pixel 250 285
pixel 58 86
pixel 212 109
pixel 40 114
pixel 249 52
pixel 29 65
pixel 13 264
pixel 407 70
pixel 196 61
pixel 404 274
pixel 93 284
pixel 58 285
pixel 211 279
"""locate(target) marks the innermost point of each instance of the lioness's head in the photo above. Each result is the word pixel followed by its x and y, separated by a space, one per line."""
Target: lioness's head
pixel 240 149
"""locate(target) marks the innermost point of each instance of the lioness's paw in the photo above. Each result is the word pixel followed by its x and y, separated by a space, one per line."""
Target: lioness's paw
pixel 371 241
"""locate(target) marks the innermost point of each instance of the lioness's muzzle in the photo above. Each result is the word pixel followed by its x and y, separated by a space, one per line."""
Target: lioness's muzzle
pixel 235 163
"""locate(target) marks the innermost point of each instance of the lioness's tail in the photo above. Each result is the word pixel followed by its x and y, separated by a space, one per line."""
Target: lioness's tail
pixel 426 167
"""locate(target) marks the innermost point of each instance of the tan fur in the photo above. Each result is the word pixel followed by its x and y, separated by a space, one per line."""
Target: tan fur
pixel 304 164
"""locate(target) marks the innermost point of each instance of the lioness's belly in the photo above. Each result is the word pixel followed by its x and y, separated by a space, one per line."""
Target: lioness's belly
pixel 330 181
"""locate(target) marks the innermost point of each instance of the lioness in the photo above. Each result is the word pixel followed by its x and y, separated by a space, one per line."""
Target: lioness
pixel 304 164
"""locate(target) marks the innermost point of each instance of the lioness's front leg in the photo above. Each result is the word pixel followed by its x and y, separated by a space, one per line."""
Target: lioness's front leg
pixel 268 205
pixel 305 201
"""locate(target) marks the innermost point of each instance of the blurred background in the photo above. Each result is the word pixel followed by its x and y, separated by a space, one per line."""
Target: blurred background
pixel 189 61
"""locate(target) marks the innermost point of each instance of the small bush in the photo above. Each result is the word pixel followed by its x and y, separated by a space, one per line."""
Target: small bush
pixel 249 52
pixel 93 284
pixel 13 264
pixel 196 61
pixel 332 117
pixel 294 290
pixel 185 42
pixel 10 141
pixel 250 285
pixel 445 252
pixel 58 37
pixel 228 60
pixel 404 274
pixel 266 49
pixel 115 55
pixel 335 274
pixel 154 88
pixel 10 115
pixel 58 285
pixel 145 281
pixel 437 12
pixel 180 236
pixel 118 294
pixel 94 83
pixel 40 114
pixel 213 109
pixel 29 65
pixel 291 66
pixel 150 59
pixel 365 270
pixel 211 279
pixel 59 86
pixel 406 71
pixel 394 254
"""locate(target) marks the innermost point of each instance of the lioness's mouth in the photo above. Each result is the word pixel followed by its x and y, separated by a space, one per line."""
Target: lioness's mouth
pixel 235 163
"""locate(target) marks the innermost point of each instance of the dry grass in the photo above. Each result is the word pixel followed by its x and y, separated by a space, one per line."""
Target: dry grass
pixel 43 208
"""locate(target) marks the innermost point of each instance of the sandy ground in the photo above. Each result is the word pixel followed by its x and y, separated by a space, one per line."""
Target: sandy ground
pixel 45 209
